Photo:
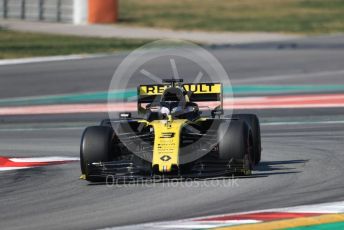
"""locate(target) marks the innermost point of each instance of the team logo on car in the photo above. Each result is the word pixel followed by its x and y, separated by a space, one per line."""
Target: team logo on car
pixel 165 158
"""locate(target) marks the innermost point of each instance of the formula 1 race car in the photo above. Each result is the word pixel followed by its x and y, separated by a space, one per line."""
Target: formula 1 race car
pixel 177 135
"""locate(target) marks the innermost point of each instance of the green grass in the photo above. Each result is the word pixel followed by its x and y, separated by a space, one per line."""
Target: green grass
pixel 289 16
pixel 19 44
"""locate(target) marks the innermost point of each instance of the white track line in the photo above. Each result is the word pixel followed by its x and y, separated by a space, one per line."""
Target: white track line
pixel 206 225
pixel 40 129
pixel 301 123
pixel 44 159
pixel 12 168
pixel 47 59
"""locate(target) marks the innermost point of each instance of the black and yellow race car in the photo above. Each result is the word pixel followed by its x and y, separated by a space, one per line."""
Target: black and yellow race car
pixel 176 134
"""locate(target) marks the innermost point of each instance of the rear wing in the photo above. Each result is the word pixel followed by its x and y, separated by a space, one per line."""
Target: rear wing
pixel 197 92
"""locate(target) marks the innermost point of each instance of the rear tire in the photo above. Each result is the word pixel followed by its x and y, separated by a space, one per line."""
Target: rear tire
pixel 96 146
pixel 235 142
pixel 253 121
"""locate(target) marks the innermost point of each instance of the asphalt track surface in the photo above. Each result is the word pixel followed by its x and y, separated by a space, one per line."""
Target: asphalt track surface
pixel 302 162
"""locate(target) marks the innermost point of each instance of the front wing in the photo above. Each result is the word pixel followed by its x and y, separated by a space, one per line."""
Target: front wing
pixel 123 171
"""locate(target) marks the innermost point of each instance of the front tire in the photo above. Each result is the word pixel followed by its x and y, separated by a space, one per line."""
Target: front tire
pixel 253 121
pixel 96 146
pixel 235 143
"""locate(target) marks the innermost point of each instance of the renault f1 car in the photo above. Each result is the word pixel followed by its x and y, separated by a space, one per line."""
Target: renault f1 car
pixel 174 135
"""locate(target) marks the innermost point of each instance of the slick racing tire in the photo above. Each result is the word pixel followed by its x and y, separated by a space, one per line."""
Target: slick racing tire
pixel 253 121
pixel 96 146
pixel 235 143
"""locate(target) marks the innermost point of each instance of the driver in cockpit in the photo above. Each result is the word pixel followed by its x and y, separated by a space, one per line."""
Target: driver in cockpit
pixel 174 102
